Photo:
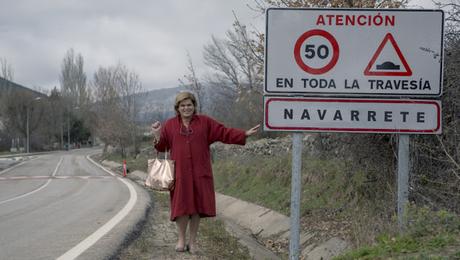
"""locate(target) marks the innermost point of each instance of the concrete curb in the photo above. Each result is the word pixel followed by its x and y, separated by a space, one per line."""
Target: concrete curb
pixel 259 220
pixel 268 224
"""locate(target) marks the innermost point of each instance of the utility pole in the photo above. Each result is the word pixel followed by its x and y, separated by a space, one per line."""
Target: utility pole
pixel 62 134
pixel 27 129
pixel 27 124
pixel 68 132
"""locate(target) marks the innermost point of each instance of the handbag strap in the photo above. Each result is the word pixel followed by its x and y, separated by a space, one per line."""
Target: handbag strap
pixel 165 153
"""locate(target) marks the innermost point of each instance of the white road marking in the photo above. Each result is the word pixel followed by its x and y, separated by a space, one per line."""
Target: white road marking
pixel 98 234
pixel 17 165
pixel 36 190
pixel 100 166
pixel 61 177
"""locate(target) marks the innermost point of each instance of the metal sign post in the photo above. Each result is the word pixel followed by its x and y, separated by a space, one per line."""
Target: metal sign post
pixel 403 179
pixel 295 196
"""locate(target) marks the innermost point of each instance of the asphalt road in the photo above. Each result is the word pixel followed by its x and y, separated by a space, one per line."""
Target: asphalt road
pixel 62 206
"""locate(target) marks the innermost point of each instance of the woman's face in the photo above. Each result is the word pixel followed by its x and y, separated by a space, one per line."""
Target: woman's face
pixel 186 108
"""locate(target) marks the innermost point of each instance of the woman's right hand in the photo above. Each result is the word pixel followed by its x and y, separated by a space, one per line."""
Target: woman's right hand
pixel 156 130
pixel 156 127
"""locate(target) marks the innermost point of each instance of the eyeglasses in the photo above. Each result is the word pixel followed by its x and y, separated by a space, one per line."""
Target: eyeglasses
pixel 186 131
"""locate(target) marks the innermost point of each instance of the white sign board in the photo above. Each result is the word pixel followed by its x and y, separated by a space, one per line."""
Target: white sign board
pixel 366 52
pixel 352 115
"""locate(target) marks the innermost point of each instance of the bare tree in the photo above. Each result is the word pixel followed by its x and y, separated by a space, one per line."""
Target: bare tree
pixel 237 62
pixel 75 90
pixel 193 83
pixel 106 105
pixel 218 57
pixel 6 69
pixel 452 10
pixel 261 5
pixel 437 158
pixel 243 47
pixel 23 112
pixel 73 79
pixel 7 74
pixel 129 87
pixel 55 118
pixel 116 89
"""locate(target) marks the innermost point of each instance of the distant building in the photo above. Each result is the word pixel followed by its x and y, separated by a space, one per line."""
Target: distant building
pixel 6 85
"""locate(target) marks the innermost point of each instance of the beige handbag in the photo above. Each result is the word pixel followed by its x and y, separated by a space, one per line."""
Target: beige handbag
pixel 160 174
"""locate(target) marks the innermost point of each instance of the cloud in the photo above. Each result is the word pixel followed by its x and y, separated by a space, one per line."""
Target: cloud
pixel 150 37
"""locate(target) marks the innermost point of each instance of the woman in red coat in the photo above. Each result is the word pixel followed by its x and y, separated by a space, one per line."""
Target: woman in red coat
pixel 187 137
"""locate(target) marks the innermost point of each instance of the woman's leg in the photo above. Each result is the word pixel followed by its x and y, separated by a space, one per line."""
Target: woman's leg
pixel 194 224
pixel 181 222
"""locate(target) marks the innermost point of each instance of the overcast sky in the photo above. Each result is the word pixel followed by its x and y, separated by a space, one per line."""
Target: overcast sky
pixel 151 37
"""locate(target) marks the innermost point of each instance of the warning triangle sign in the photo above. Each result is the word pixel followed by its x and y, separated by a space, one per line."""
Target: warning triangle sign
pixel 387 60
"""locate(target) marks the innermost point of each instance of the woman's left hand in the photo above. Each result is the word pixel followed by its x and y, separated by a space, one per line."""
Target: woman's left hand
pixel 253 130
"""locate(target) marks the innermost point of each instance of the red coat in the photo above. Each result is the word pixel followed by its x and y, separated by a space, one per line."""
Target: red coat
pixel 194 186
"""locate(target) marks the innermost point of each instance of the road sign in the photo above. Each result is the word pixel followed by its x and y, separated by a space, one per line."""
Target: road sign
pixel 354 52
pixel 352 115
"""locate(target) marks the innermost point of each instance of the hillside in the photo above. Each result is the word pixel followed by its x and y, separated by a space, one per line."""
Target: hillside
pixel 157 104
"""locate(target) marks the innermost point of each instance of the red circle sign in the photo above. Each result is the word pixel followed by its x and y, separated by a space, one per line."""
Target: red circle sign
pixel 335 52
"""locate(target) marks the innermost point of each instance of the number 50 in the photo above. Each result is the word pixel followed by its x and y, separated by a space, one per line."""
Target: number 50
pixel 322 51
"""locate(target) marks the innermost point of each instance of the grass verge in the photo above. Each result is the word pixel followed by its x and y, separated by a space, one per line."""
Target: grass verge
pixel 429 235
pixel 267 180
pixel 139 163
pixel 340 199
